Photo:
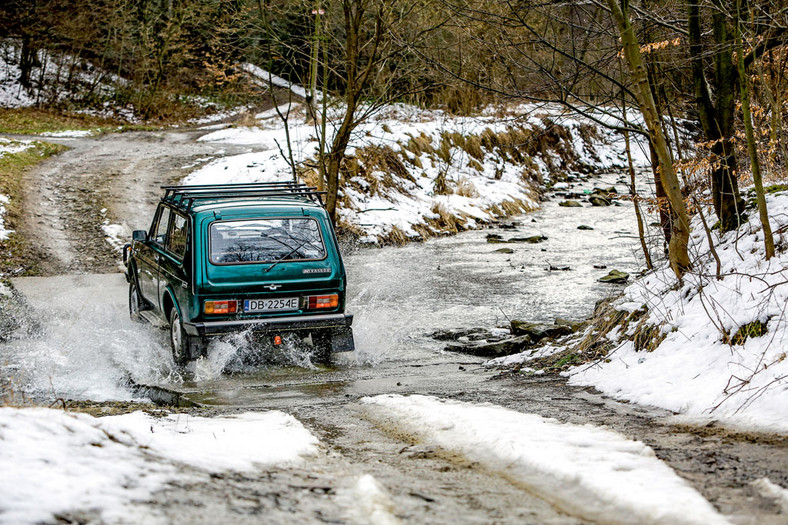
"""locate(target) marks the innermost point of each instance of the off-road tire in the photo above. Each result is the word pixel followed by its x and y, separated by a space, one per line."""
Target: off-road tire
pixel 135 302
pixel 179 341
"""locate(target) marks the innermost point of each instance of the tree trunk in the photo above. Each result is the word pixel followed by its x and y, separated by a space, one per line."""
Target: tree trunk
pixel 27 59
pixel 768 239
pixel 337 154
pixel 717 118
pixel 677 248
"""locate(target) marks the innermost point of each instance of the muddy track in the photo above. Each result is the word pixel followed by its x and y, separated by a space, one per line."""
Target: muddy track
pixel 113 178
pixel 426 484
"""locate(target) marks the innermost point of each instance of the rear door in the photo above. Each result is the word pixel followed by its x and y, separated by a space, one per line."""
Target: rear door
pixel 272 256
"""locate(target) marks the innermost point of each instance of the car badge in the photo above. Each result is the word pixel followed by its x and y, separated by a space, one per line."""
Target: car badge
pixel 273 286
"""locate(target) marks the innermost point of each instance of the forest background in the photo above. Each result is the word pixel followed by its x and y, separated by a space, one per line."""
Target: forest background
pixel 715 67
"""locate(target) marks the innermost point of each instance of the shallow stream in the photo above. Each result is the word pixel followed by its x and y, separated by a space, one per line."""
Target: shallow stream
pixel 81 344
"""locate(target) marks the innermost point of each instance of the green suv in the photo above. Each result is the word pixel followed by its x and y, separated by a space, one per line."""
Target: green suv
pixel 226 258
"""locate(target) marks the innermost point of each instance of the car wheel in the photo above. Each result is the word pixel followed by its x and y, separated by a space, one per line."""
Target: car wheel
pixel 135 302
pixel 321 347
pixel 179 342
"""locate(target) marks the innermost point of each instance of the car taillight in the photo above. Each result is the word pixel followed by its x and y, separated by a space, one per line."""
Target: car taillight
pixel 316 302
pixel 221 307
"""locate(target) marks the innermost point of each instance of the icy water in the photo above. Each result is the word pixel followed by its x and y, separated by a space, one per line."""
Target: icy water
pixel 81 345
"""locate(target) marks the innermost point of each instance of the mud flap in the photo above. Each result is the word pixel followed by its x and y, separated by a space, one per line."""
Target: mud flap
pixel 197 348
pixel 342 340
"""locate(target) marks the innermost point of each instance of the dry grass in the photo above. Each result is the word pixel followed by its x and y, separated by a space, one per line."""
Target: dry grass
pixel 595 343
pixel 473 146
pixel 445 221
pixel 308 176
pixel 466 188
pixel 476 165
pixel 420 145
pixel 375 170
pixel 395 237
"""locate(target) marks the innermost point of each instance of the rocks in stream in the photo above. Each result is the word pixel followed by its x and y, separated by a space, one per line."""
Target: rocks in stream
pixel 494 238
pixel 614 277
pixel 537 332
pixel 598 200
pixel 508 346
pixel 533 239
pixel 570 204
pixel 496 343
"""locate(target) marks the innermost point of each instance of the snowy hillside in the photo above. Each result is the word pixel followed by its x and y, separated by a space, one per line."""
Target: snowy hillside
pixel 55 77
pixel 414 173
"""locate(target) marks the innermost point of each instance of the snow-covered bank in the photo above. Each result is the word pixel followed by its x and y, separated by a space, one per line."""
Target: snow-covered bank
pixel 723 355
pixel 724 352
pixel 591 472
pixel 707 349
pixel 55 462
pixel 416 173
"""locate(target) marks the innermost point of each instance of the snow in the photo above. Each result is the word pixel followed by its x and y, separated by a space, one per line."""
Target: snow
pixel 695 372
pixel 768 489
pixel 588 471
pixel 240 443
pixel 54 462
pixel 372 503
pixel 267 77
pixel 71 133
pixel 539 352
pixel 4 233
pixel 116 234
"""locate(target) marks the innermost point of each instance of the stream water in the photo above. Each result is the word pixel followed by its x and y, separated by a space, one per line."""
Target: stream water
pixel 83 346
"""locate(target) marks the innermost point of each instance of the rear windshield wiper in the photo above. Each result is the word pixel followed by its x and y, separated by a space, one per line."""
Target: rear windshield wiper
pixel 285 256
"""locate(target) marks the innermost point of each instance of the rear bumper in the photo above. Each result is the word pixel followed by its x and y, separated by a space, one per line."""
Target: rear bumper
pixel 301 322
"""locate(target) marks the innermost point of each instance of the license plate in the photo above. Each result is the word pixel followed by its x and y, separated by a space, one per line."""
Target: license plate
pixel 271 305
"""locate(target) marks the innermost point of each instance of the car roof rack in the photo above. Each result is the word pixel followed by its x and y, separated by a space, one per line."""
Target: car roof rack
pixel 184 197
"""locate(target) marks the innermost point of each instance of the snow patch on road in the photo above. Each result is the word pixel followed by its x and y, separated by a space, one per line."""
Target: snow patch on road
pixel 771 490
pixel 54 462
pixel 241 442
pixel 371 503
pixel 591 472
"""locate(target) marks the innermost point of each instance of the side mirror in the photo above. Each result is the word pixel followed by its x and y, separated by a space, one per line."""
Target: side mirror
pixel 139 235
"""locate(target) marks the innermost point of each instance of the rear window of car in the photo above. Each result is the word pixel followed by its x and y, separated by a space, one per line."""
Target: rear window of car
pixel 266 241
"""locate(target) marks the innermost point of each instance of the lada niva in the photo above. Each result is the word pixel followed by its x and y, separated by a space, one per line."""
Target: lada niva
pixel 224 258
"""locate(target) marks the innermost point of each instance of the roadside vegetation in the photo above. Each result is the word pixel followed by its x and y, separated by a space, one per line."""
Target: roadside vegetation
pixel 34 121
pixel 18 256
